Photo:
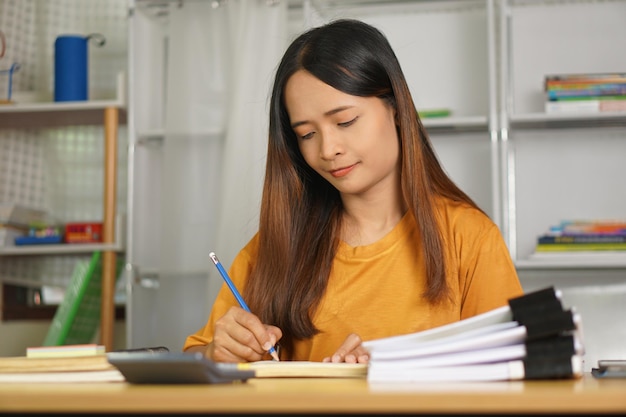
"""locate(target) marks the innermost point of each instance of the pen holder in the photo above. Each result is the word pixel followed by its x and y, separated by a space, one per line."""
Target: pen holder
pixel 9 72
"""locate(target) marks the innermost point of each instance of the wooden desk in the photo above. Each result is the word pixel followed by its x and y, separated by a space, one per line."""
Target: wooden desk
pixel 273 396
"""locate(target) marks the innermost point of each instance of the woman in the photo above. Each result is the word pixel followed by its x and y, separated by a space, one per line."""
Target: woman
pixel 362 234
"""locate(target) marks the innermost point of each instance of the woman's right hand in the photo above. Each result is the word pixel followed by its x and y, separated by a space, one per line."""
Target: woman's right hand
pixel 240 336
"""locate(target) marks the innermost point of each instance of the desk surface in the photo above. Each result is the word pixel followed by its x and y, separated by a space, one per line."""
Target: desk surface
pixel 318 395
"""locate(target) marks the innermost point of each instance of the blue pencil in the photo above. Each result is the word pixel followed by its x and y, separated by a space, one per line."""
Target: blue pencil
pixel 235 292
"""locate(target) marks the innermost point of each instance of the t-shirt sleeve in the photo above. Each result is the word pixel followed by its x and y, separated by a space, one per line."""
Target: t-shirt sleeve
pixel 238 272
pixel 488 274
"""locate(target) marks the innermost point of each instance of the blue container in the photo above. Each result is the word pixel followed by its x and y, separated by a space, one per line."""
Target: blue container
pixel 71 68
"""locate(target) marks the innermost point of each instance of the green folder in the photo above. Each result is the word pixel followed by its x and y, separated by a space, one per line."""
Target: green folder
pixel 77 318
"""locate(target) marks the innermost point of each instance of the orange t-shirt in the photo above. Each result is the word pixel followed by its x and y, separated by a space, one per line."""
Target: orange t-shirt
pixel 375 290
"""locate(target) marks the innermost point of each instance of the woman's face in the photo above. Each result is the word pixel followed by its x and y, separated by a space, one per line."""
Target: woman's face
pixel 349 140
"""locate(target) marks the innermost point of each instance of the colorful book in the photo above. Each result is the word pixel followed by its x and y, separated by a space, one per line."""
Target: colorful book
pixel 585 106
pixel 582 238
pixel 590 227
pixel 586 78
pixel 589 94
pixel 572 247
pixel 584 86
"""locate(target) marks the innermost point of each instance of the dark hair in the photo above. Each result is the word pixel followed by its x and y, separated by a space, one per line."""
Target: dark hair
pixel 301 212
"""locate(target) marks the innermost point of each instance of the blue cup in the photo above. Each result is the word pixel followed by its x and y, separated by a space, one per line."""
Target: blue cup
pixel 71 68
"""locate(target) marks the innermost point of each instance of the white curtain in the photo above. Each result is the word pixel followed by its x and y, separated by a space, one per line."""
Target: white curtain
pixel 221 61
pixel 259 33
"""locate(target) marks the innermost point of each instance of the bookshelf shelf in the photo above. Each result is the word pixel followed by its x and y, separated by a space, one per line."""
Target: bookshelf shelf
pixel 55 114
pixel 545 120
pixel 67 106
pixel 48 115
pixel 69 248
pixel 572 260
pixel 558 166
pixel 109 114
pixel 60 249
pixel 158 135
pixel 459 124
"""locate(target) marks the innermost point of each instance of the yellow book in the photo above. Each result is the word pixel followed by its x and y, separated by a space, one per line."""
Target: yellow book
pixel 304 369
pixel 58 364
pixel 94 368
pixel 574 247
pixel 65 351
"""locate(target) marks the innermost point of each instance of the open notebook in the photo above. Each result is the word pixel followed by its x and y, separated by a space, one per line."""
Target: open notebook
pixel 304 369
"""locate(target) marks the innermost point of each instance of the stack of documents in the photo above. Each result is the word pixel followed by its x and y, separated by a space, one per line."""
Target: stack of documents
pixel 533 337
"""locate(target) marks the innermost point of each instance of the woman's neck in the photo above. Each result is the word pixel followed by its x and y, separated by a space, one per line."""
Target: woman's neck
pixel 367 220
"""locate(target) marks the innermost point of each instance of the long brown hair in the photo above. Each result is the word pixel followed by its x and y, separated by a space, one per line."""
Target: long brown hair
pixel 301 212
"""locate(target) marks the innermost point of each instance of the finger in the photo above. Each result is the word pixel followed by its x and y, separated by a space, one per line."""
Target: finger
pixel 349 358
pixel 228 347
pixel 275 334
pixel 261 338
pixel 219 353
pixel 361 355
pixel 234 338
pixel 240 335
pixel 251 332
pixel 352 342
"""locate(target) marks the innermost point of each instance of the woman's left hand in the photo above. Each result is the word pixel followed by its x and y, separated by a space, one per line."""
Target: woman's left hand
pixel 350 351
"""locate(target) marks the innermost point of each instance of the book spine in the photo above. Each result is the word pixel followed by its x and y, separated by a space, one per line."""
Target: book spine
pixel 581 238
pixel 590 227
pixel 566 247
pixel 594 96
pixel 608 222
pixel 585 78
pixel 613 92
pixel 569 86
pixel 587 106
